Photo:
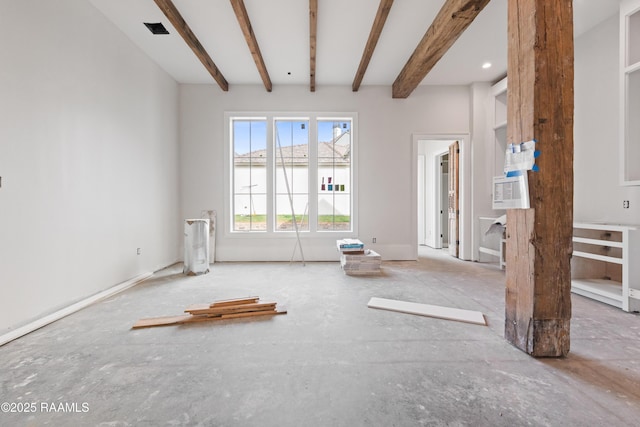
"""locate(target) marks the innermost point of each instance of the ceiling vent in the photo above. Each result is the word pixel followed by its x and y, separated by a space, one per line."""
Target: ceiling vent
pixel 156 27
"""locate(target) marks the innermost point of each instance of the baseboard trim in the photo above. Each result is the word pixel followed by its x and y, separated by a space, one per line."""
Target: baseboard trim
pixel 43 321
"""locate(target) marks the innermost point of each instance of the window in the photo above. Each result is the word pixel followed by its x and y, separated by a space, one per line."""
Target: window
pixel 249 174
pixel 292 174
pixel 286 164
pixel 334 173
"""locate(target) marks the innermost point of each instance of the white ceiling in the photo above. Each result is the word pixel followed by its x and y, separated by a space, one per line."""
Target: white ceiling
pixel 282 30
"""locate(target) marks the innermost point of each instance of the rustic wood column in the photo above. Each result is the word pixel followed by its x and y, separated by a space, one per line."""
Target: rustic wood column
pixel 540 107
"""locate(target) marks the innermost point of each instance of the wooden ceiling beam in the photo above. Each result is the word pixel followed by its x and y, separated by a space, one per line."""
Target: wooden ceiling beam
pixel 171 12
pixel 245 24
pixel 313 29
pixel 374 35
pixel 454 17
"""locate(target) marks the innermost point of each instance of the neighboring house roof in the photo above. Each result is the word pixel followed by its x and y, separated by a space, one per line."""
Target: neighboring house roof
pixel 338 152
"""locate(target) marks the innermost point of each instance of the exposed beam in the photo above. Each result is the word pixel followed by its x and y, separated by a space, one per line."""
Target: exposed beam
pixel 454 17
pixel 313 29
pixel 250 37
pixel 170 11
pixel 540 105
pixel 374 35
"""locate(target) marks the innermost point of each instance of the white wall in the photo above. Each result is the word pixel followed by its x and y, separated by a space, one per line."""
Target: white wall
pixel 387 210
pixel 598 196
pixel 88 158
pixel 482 154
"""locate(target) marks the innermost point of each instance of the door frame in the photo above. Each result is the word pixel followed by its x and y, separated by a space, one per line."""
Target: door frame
pixel 442 224
pixel 429 191
pixel 453 192
pixel 465 188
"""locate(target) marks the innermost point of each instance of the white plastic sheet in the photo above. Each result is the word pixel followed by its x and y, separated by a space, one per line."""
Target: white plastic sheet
pixel 196 246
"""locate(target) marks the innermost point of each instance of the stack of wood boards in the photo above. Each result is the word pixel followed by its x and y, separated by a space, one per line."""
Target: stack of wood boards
pixel 217 310
pixel 361 264
pixel 355 259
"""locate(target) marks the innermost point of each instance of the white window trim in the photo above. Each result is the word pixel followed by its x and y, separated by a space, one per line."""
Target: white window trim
pixel 270 117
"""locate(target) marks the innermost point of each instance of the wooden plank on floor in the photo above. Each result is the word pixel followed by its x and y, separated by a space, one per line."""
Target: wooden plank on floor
pixel 169 320
pixel 254 314
pixel 235 301
pixel 440 312
pixel 205 309
pixel 197 308
pixel 188 318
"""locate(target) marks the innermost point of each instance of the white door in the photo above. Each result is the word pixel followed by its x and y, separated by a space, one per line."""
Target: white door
pixel 443 210
pixel 454 200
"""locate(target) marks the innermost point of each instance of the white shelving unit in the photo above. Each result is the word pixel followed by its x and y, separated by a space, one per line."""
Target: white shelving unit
pixel 602 267
pixel 499 92
pixel 492 244
pixel 495 245
pixel 630 92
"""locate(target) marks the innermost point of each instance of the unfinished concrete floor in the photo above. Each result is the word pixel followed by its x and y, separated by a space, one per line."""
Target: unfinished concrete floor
pixel 331 361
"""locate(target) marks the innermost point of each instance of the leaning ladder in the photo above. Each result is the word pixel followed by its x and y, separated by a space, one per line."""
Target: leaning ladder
pixel 293 214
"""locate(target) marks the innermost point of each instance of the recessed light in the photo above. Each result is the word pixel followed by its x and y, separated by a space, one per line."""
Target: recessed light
pixel 486 65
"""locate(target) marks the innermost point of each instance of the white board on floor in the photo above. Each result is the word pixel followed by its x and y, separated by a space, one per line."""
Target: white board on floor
pixel 428 310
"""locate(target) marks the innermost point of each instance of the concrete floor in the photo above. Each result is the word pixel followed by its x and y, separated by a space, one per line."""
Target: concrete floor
pixel 331 361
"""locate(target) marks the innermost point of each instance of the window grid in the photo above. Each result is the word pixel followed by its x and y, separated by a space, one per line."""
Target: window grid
pixel 313 153
pixel 291 174
pixel 334 168
pixel 249 176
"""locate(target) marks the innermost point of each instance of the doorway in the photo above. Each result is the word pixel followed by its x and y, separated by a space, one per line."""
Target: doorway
pixel 444 200
pixel 454 200
pixel 433 197
pixel 431 191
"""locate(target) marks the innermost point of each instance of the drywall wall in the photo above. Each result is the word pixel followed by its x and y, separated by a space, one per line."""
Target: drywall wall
pixel 88 158
pixel 598 197
pixel 482 155
pixel 385 163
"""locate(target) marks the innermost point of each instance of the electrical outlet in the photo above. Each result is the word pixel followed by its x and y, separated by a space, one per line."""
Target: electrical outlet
pixel 625 204
pixel 374 240
pixel 139 251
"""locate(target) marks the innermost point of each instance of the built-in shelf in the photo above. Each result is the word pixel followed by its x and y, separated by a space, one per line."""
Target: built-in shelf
pixel 597 242
pixel 495 245
pixel 499 124
pixel 491 243
pixel 629 92
pixel 606 291
pixel 603 258
pixel 602 268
